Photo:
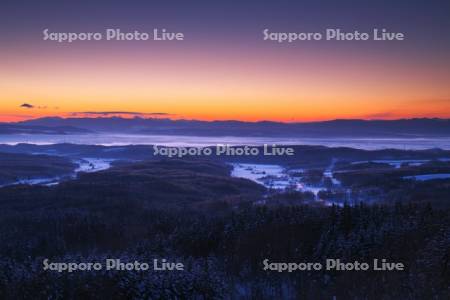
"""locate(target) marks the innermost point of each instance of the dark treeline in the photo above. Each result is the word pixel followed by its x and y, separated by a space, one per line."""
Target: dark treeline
pixel 305 156
pixel 224 253
pixel 18 166
pixel 222 245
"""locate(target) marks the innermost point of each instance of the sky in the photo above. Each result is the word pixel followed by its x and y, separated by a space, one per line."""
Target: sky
pixel 223 69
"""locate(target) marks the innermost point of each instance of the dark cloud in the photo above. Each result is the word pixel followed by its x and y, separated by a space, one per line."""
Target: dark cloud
pixel 27 105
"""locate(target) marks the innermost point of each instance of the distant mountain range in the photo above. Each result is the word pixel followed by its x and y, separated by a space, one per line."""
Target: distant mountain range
pixel 403 128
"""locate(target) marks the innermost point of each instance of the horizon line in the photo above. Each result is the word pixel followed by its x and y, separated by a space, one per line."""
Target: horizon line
pixel 141 117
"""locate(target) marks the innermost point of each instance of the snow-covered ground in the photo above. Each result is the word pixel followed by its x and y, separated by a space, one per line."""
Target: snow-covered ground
pixel 329 173
pixel 271 176
pixel 36 181
pixel 93 164
pixel 86 165
pixel 278 178
pixel 397 163
pixel 426 177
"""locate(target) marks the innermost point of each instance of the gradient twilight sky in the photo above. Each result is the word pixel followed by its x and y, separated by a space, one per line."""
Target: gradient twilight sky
pixel 223 69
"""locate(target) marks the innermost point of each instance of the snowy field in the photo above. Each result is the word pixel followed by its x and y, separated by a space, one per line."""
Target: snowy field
pixel 86 165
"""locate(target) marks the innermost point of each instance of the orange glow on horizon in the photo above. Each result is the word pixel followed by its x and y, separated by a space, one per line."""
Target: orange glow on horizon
pixel 221 85
pixel 19 118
